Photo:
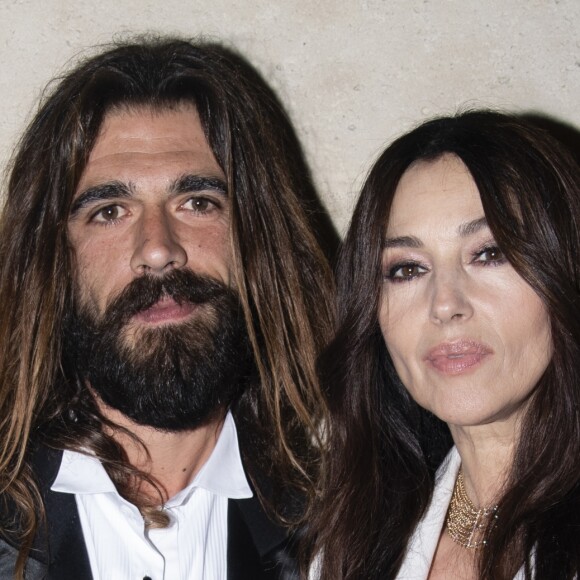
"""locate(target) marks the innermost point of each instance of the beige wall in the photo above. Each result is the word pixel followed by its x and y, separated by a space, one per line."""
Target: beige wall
pixel 353 73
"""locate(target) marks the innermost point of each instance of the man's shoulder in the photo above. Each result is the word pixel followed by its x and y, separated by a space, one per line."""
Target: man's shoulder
pixel 36 564
pixel 35 570
pixel 59 544
pixel 43 465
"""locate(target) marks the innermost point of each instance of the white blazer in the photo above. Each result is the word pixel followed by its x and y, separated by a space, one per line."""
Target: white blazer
pixel 423 542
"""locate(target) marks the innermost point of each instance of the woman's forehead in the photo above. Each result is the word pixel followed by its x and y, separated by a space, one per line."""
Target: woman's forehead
pixel 439 193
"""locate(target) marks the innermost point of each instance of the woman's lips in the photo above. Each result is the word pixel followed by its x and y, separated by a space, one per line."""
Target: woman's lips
pixel 455 358
pixel 166 310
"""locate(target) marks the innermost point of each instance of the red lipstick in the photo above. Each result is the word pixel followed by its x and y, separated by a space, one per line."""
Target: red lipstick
pixel 458 357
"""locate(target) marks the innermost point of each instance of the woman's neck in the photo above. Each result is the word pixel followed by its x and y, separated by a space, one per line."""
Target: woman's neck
pixel 486 455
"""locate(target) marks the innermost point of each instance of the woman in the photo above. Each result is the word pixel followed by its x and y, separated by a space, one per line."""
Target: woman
pixel 454 377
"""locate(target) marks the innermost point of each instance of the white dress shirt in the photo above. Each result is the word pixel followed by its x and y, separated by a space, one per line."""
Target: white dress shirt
pixel 193 547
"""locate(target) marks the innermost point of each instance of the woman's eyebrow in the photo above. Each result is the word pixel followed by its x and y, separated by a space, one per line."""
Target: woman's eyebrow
pixel 402 242
pixel 472 227
pixel 464 230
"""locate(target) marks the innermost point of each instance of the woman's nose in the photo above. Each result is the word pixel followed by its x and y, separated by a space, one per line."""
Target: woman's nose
pixel 450 298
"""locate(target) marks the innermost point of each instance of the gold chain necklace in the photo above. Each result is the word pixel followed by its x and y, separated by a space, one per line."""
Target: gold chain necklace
pixel 465 523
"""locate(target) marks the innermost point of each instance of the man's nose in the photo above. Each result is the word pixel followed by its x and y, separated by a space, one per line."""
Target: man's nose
pixel 157 248
pixel 450 297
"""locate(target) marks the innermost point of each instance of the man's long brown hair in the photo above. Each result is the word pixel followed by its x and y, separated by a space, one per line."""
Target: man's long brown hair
pixel 281 274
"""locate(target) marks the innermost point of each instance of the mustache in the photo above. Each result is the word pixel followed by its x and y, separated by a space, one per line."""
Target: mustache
pixel 181 285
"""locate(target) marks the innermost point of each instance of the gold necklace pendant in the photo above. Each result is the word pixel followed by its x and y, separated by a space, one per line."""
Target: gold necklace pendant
pixel 465 523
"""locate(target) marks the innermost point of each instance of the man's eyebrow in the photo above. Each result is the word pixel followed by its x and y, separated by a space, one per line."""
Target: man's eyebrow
pixel 101 192
pixel 116 189
pixel 402 242
pixel 472 227
pixel 192 183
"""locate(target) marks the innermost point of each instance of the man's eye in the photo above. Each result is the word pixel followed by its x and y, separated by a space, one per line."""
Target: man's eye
pixel 405 272
pixel 109 214
pixel 200 204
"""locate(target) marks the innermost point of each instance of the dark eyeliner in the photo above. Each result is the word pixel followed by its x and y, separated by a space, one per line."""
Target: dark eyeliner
pixel 489 247
pixel 390 274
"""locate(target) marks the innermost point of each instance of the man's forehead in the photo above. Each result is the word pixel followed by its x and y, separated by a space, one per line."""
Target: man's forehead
pixel 138 143
pixel 145 126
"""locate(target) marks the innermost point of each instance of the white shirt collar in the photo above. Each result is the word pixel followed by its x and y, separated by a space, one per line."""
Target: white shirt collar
pixel 222 474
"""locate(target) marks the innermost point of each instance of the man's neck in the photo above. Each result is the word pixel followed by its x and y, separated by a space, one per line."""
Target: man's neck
pixel 172 458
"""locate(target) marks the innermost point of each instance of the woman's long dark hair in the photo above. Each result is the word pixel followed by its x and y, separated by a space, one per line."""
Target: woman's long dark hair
pixel 383 448
pixel 282 277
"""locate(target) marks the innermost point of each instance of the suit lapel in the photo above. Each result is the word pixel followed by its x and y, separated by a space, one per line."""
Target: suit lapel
pixel 258 549
pixel 244 562
pixel 60 543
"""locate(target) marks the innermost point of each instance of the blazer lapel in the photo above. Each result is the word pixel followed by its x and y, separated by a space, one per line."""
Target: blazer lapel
pixel 60 543
pixel 258 549
pixel 243 557
pixel 423 543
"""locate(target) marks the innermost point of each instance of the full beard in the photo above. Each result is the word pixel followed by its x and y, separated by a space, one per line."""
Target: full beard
pixel 172 377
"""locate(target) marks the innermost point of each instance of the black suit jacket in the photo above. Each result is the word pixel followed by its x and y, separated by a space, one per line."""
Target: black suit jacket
pixel 257 548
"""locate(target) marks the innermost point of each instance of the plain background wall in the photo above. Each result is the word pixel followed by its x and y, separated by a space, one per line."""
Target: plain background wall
pixel 353 73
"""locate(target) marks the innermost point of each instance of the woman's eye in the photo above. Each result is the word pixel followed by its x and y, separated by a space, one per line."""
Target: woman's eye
pixel 109 214
pixel 491 255
pixel 405 272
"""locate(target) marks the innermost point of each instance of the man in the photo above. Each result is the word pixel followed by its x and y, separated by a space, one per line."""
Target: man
pixel 164 301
